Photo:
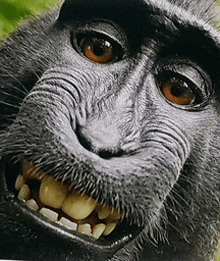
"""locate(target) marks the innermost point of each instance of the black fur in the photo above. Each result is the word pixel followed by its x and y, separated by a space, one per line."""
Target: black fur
pixel 107 130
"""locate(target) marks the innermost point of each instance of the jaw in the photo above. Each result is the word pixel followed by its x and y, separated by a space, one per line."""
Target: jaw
pixel 26 236
pixel 39 232
pixel 46 237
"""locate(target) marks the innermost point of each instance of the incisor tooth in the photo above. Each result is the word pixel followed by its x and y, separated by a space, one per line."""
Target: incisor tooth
pixel 78 206
pixel 67 223
pixel 52 193
pixel 109 228
pixel 104 212
pixel 32 204
pixel 85 229
pixel 98 230
pixel 49 214
pixel 19 182
pixel 24 193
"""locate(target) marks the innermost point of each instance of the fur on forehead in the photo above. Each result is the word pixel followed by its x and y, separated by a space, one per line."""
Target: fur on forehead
pixel 201 8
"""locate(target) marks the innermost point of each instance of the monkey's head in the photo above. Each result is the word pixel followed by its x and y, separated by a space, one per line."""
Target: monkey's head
pixel 109 144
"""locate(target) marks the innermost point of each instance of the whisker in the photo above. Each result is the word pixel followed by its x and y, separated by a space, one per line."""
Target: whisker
pixel 11 95
pixel 8 104
pixel 22 85
pixel 17 89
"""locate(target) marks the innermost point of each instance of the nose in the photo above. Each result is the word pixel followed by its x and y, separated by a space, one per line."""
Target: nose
pixel 101 137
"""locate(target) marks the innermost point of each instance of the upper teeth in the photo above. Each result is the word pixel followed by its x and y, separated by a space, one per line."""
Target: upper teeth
pixel 68 208
pixel 52 193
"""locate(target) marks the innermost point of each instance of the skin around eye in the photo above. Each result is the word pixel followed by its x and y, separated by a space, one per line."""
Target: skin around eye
pixel 177 91
pixel 98 50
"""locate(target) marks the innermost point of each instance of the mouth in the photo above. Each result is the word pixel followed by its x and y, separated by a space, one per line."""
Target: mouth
pixel 72 211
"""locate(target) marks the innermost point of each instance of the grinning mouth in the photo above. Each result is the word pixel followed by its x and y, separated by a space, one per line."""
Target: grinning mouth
pixel 68 208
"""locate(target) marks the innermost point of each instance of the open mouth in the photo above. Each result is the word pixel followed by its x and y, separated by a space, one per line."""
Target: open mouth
pixel 71 210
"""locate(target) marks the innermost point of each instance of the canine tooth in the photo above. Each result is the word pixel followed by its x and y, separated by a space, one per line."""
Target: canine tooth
pixel 19 182
pixel 27 167
pixel 24 193
pixel 98 230
pixel 32 172
pixel 85 229
pixel 32 204
pixel 109 228
pixel 78 206
pixel 104 212
pixel 49 214
pixel 52 192
pixel 114 216
pixel 67 223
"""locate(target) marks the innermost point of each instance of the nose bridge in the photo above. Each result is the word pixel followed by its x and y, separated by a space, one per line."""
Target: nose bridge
pixel 115 122
pixel 107 129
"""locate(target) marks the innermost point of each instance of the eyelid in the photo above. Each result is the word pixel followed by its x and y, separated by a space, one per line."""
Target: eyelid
pixel 193 75
pixel 189 72
pixel 106 29
pixel 101 30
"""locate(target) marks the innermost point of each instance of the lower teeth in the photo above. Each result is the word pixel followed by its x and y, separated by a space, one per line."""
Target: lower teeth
pixel 52 215
pixel 69 209
pixel 67 223
pixel 32 204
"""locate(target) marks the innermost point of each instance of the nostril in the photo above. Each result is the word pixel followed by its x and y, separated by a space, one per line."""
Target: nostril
pixel 82 140
pixel 101 150
pixel 107 154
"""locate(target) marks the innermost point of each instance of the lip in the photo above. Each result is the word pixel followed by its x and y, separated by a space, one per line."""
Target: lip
pixel 122 235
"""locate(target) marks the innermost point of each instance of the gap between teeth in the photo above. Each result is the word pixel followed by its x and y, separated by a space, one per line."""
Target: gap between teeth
pixel 68 208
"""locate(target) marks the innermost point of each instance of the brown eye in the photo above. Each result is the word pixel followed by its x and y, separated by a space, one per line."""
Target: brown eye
pixel 98 47
pixel 177 91
pixel 98 50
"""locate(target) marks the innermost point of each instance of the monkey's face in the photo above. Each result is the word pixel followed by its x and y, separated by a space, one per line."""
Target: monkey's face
pixel 113 151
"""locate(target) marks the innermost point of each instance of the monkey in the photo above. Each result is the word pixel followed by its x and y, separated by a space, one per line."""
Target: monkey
pixel 109 133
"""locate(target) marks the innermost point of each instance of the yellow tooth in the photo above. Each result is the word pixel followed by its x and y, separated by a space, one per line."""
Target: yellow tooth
pixel 98 230
pixel 52 193
pixel 109 228
pixel 24 193
pixel 78 206
pixel 85 229
pixel 114 216
pixel 32 172
pixel 104 212
pixel 32 204
pixel 19 182
pixel 52 215
pixel 67 223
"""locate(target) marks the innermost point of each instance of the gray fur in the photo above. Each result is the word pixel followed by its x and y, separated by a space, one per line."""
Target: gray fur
pixel 107 130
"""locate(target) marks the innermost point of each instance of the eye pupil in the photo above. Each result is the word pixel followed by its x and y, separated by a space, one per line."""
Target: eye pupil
pixel 101 48
pixel 179 88
pixel 176 91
